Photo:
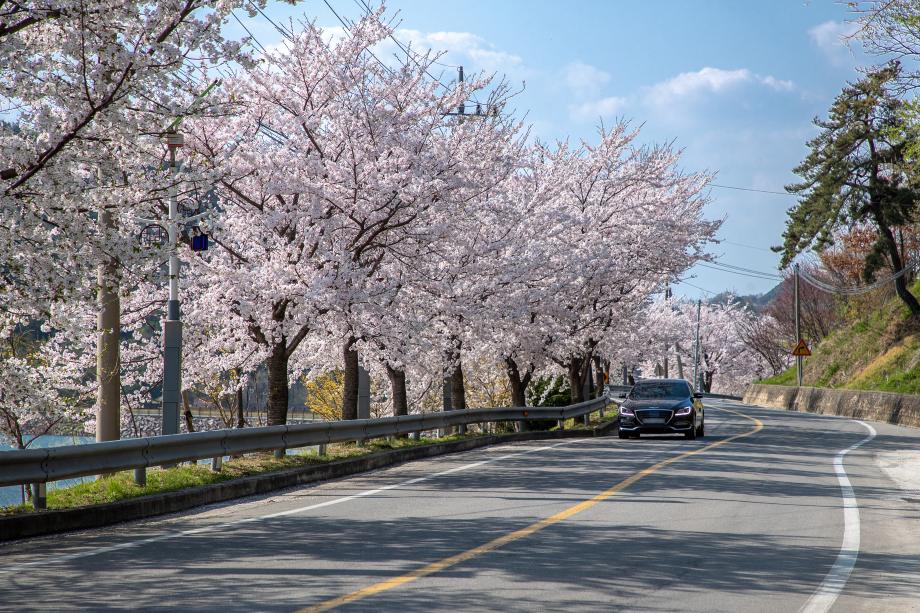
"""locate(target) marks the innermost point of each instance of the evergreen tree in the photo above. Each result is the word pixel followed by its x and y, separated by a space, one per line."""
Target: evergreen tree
pixel 855 174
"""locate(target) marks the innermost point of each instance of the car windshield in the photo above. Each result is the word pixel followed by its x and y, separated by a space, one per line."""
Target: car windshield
pixel 660 389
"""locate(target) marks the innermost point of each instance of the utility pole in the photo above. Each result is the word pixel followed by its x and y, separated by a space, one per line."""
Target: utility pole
pixel 108 343
pixel 696 352
pixel 461 110
pixel 364 393
pixel 667 297
pixel 798 333
pixel 172 325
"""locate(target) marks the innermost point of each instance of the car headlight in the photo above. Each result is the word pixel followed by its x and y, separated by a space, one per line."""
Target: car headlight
pixel 626 411
pixel 683 411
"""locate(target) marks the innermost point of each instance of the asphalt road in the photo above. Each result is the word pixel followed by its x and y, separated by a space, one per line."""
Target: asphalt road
pixel 754 520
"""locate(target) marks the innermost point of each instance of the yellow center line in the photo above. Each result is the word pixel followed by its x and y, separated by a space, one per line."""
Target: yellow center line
pixel 436 567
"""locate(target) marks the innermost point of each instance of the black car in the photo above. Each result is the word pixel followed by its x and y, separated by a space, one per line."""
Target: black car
pixel 661 406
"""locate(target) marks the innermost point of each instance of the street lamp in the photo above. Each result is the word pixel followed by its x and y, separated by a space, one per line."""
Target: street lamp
pixel 172 325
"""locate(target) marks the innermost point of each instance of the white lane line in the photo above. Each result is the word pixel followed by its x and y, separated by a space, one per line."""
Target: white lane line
pixel 836 579
pixel 170 535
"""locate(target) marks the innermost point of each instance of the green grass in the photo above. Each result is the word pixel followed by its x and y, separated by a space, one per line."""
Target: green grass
pixel 787 377
pixel 877 350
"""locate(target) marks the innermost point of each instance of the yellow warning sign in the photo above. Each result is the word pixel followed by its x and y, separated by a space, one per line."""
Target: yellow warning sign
pixel 801 350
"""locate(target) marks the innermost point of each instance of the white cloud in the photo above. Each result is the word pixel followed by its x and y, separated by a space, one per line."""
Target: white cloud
pixel 830 37
pixel 709 80
pixel 671 93
pixel 584 79
pixel 777 84
pixel 481 54
pixel 593 110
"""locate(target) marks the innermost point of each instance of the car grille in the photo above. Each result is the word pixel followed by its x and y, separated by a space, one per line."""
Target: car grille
pixel 654 415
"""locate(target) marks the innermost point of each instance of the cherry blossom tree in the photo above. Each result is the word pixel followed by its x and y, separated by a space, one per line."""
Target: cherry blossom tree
pixel 338 165
pixel 87 90
pixel 615 221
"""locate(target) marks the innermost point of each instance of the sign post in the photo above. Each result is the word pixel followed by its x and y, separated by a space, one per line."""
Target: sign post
pixel 801 351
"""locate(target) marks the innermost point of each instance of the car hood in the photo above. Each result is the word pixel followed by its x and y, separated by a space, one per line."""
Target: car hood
pixel 657 403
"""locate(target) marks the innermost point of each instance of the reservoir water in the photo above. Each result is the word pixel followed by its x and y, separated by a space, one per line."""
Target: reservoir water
pixel 13 495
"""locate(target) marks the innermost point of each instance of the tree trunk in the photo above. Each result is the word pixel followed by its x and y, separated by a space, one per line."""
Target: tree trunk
pixel 278 384
pixel 575 380
pixel 579 373
pixel 707 381
pixel 680 363
pixel 457 388
pixel 350 383
pixel 240 420
pixel 517 382
pixel 598 377
pixel 398 390
pixel 187 412
pixel 900 286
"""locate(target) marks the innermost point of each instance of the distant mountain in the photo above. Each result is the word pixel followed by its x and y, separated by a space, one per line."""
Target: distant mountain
pixel 757 302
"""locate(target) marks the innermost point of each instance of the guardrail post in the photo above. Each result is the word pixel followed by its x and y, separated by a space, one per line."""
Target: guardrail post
pixel 140 476
pixel 416 436
pixel 279 454
pixel 562 424
pixel 461 429
pixel 216 463
pixel 39 495
pixel 321 450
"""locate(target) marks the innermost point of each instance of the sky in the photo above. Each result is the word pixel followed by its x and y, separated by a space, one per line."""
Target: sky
pixel 734 85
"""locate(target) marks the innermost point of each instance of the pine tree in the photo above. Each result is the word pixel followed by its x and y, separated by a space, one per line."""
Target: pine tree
pixel 855 174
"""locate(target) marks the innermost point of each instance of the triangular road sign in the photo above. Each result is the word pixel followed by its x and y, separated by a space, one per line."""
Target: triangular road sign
pixel 801 350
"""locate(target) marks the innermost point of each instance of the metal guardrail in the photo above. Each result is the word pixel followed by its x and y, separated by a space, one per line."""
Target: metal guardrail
pixel 39 466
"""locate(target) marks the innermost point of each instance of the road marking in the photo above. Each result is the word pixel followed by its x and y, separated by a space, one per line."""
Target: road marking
pixel 171 535
pixel 436 567
pixel 836 579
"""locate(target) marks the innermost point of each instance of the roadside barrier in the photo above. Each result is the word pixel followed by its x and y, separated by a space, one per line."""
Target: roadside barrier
pixel 901 409
pixel 36 467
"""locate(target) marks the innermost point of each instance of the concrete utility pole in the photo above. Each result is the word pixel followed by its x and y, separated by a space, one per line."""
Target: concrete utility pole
pixel 696 351
pixel 364 393
pixel 667 296
pixel 172 325
pixel 108 343
pixel 798 333
pixel 461 110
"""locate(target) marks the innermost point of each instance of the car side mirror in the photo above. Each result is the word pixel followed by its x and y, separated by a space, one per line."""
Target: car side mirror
pixel 697 394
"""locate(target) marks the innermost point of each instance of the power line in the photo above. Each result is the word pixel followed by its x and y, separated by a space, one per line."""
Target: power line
pixel 702 289
pixel 747 270
pixel 736 272
pixel 409 56
pixel 285 33
pixel 251 35
pixel 853 291
pixel 348 26
pixel 722 240
pixel 751 189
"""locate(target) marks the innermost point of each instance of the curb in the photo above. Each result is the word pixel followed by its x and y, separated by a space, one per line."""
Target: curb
pixel 15 527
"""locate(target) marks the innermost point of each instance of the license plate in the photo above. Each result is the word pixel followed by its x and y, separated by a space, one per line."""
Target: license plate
pixel 654 420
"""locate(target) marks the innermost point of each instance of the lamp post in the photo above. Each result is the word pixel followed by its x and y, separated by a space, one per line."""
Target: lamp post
pixel 172 325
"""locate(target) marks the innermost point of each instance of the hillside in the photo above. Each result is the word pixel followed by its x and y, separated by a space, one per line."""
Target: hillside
pixel 878 351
